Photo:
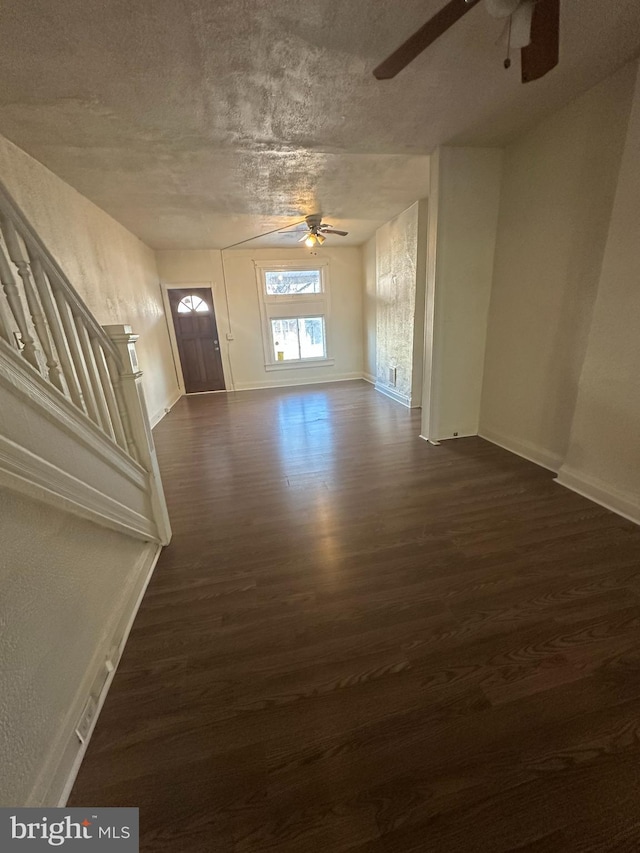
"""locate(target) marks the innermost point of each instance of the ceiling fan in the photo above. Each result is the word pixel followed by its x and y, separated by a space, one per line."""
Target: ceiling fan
pixel 316 229
pixel 533 26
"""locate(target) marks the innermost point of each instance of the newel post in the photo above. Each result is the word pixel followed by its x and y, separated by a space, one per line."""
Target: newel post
pixel 136 408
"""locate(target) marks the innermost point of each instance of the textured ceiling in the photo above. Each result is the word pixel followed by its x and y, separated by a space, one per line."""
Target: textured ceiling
pixel 199 123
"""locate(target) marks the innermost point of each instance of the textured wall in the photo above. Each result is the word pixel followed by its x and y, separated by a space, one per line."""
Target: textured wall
pixel 396 265
pixel 244 356
pixel 62 582
pixel 604 450
pixel 370 310
pixel 113 271
pixel 558 187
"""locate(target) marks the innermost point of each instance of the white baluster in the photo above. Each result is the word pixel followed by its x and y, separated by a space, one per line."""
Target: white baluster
pixel 39 322
pixel 55 327
pixel 102 414
pixel 86 400
pixel 5 330
pixel 15 303
pixel 107 387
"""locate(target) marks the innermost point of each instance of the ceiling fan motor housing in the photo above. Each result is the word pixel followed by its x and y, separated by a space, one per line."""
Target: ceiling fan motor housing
pixel 501 8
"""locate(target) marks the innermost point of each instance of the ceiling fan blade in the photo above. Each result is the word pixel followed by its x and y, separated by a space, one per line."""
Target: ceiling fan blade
pixel 543 53
pixel 422 38
pixel 333 231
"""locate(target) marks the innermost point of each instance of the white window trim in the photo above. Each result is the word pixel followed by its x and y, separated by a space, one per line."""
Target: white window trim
pixel 309 305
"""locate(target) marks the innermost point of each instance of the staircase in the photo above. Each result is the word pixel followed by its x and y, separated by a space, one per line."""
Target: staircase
pixel 82 513
pixel 95 450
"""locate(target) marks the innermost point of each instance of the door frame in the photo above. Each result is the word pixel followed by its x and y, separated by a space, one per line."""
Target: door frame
pixel 165 287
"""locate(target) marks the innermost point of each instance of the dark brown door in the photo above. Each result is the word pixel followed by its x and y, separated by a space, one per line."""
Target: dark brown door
pixel 197 336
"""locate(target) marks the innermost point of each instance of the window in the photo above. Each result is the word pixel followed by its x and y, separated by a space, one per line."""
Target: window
pixel 298 338
pixel 192 303
pixel 292 282
pixel 294 306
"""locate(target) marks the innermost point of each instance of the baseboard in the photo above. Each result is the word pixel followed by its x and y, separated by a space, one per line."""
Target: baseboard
pixel 393 395
pixel 531 452
pixel 620 502
pixel 61 766
pixel 155 419
pixel 432 441
pixel 463 432
pixel 326 380
pixel 368 377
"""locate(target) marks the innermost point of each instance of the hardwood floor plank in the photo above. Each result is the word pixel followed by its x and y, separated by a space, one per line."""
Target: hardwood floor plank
pixel 360 642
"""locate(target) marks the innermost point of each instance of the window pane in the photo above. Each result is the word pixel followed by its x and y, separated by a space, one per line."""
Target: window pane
pixel 192 303
pixel 292 282
pixel 298 337
pixel 286 344
pixel 311 337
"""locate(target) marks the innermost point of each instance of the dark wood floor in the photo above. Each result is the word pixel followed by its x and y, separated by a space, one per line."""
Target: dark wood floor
pixel 360 642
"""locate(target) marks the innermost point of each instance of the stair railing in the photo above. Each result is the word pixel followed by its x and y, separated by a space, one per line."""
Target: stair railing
pixel 45 321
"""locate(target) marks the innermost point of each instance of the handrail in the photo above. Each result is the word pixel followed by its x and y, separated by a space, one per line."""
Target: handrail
pixel 28 233
pixel 45 320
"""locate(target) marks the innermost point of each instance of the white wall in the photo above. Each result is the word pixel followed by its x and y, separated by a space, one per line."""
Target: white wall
pixel 463 216
pixel 370 277
pixel 65 584
pixel 243 358
pixel 558 186
pixel 399 303
pixel 603 456
pixel 113 271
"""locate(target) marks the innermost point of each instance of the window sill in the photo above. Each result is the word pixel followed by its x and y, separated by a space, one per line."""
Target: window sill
pixel 308 362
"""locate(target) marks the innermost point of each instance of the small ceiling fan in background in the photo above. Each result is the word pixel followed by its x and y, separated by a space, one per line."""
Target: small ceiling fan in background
pixel 316 229
pixel 532 25
pixel 312 234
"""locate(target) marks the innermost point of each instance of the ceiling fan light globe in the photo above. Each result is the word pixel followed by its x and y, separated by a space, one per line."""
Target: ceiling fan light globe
pixel 310 241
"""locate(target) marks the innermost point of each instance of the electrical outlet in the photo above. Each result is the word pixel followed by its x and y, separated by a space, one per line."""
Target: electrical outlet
pixel 455 435
pixel 86 719
pixel 229 336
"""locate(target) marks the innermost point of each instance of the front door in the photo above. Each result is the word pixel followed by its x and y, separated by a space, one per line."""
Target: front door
pixel 197 336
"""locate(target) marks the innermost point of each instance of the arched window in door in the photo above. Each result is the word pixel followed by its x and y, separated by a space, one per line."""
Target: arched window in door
pixel 192 303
